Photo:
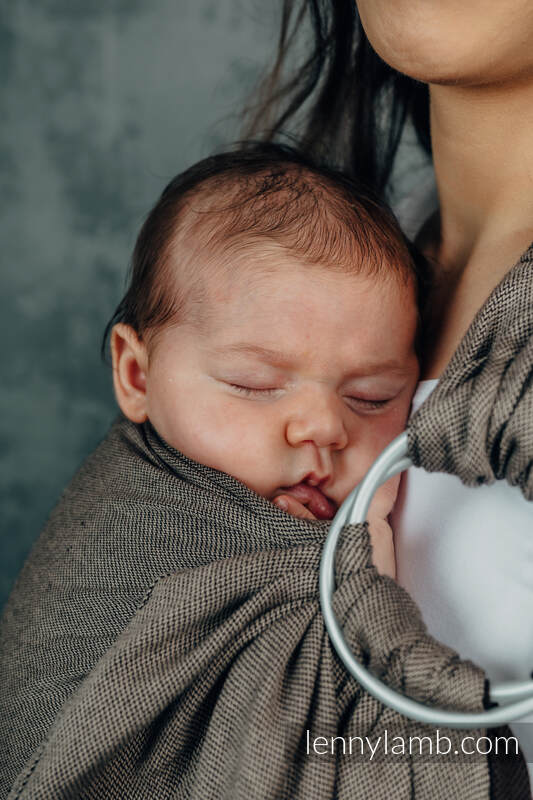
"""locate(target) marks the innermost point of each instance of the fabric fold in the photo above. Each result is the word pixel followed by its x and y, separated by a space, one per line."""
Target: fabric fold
pixel 215 672
pixel 211 688
pixel 477 422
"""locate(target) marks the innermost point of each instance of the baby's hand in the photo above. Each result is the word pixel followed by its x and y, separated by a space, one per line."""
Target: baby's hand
pixel 381 538
pixel 383 557
pixel 384 499
pixel 380 531
pixel 292 506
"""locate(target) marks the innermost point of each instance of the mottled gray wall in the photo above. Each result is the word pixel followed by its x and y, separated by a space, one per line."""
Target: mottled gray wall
pixel 102 102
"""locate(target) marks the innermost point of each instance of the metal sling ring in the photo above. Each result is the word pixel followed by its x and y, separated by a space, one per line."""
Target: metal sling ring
pixel 516 697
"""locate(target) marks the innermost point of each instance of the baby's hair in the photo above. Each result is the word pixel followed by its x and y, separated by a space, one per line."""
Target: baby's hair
pixel 255 194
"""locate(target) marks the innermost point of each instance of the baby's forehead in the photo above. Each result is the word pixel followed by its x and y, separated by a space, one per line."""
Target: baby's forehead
pixel 248 283
pixel 229 234
pixel 258 265
pixel 210 263
pixel 320 324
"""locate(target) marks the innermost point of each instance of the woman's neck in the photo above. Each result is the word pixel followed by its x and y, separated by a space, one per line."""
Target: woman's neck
pixel 483 157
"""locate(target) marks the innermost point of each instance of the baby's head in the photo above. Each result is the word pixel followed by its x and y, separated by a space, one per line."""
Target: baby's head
pixel 269 330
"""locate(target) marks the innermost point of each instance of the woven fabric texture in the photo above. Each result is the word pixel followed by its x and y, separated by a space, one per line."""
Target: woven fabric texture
pixel 165 639
pixel 478 421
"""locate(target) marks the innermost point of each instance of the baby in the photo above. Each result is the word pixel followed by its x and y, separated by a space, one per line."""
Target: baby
pixel 269 330
pixel 265 352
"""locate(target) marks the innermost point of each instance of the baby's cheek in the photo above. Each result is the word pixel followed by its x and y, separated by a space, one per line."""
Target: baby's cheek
pixel 403 415
pixel 252 452
pixel 373 437
pixel 228 440
pixel 187 423
pixel 390 426
pixel 209 433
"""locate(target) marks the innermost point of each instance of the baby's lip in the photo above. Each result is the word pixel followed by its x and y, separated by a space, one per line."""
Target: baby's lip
pixel 319 504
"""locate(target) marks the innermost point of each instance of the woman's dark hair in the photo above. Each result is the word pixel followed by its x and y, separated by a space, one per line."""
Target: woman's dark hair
pixel 350 107
pixel 260 191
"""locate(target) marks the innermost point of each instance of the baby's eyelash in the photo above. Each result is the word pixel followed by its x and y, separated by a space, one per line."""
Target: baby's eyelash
pixel 247 390
pixel 370 403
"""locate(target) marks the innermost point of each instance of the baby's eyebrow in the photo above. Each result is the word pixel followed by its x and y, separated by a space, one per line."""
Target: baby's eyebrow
pixel 279 359
pixel 267 354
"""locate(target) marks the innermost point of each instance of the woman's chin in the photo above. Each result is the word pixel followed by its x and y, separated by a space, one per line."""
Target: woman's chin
pixel 423 65
pixel 448 43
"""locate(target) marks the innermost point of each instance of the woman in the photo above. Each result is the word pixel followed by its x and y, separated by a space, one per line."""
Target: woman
pixel 465 71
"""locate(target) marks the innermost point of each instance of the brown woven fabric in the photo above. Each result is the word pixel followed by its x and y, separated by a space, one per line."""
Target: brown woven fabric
pixel 177 613
pixel 165 639
pixel 478 421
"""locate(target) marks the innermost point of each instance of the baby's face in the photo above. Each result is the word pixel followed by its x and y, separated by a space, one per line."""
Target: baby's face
pixel 299 376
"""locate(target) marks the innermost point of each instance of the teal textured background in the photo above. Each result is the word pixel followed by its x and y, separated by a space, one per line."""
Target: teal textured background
pixel 103 101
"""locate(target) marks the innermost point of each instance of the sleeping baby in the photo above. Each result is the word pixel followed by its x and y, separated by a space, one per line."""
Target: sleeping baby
pixel 264 354
pixel 270 328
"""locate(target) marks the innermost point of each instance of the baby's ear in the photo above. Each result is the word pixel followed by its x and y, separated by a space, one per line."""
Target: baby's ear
pixel 130 364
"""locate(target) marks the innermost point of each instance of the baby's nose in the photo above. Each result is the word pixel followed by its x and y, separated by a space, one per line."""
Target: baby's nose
pixel 317 418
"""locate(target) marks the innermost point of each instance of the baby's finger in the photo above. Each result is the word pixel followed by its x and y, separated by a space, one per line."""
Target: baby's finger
pixel 383 555
pixel 384 498
pixel 292 506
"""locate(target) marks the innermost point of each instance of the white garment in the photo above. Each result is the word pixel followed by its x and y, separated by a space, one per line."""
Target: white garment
pixel 465 555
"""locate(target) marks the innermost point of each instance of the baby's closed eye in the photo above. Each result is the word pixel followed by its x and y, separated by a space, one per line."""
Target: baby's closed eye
pixel 250 390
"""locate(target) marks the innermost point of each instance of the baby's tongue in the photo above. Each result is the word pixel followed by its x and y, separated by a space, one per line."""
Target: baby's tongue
pixel 317 503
